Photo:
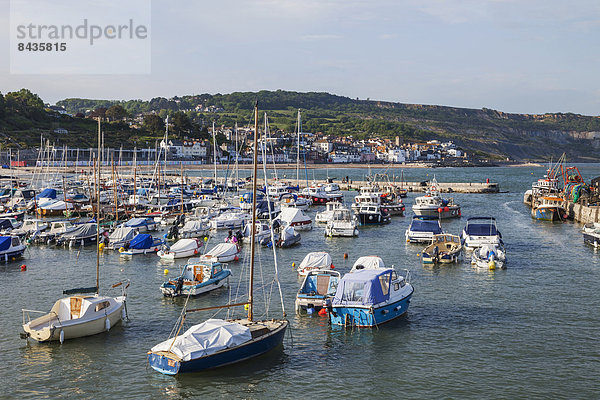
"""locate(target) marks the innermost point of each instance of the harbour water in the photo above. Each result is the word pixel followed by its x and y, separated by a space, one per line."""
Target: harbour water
pixel 530 331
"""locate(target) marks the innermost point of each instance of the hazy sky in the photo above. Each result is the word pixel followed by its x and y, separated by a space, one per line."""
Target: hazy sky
pixel 528 56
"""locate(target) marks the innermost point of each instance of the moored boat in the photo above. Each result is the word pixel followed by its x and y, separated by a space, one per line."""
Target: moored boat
pixel 489 256
pixel 200 275
pixel 223 252
pixel 479 231
pixel 181 249
pixel 548 208
pixel 422 230
pixel 445 248
pixel 142 243
pixel 11 248
pixel 317 287
pixel 342 223
pixel 313 261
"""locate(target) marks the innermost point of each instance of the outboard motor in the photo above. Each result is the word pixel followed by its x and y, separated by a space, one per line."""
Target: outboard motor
pixel 179 285
pixel 173 232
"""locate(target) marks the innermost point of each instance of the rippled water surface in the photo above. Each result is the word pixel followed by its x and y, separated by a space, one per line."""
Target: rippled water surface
pixel 528 331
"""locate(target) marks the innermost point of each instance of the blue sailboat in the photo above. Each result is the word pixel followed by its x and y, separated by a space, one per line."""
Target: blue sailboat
pixel 370 297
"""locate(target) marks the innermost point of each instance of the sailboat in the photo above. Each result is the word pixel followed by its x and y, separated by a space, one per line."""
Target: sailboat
pixel 81 313
pixel 216 342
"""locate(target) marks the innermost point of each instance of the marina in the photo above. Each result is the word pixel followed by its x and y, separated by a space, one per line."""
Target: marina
pixel 462 304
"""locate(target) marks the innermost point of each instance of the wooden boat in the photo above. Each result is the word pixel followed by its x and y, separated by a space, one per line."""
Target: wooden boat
pixel 216 342
pixel 200 275
pixel 445 248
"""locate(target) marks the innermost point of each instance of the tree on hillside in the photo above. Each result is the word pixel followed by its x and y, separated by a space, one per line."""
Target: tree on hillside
pixel 24 102
pixel 153 124
pixel 182 126
pixel 98 112
pixel 116 113
pixel 2 105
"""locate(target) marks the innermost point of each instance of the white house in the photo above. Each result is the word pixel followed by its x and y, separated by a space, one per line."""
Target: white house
pixel 396 155
pixel 323 145
pixel 454 152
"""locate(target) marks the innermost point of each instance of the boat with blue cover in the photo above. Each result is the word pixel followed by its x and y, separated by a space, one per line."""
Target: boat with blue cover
pixel 11 248
pixel 200 275
pixel 422 230
pixel 318 286
pixel 141 224
pixel 480 231
pixel 370 297
pixel 142 243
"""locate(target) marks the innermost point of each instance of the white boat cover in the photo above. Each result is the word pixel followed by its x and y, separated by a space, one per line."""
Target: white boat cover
pixel 56 205
pixel 288 233
pixel 316 260
pixel 83 230
pixel 368 262
pixel 291 215
pixel 222 250
pixel 206 338
pixel 122 234
pixel 193 226
pixel 184 245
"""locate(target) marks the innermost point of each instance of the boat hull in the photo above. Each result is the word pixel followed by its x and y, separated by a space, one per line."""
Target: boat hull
pixel 546 214
pixel 591 239
pixel 433 213
pixel 368 317
pixel 251 349
pixel 373 219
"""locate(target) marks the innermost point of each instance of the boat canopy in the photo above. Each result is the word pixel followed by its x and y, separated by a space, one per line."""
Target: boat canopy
pixel 368 262
pixel 185 244
pixel 193 226
pixel 206 338
pixel 222 250
pixel 5 242
pixel 316 260
pixel 122 233
pixel 137 222
pixel 5 223
pixel 47 193
pixel 481 228
pixel 83 230
pixel 421 225
pixel 365 287
pixel 141 241
pixel 288 233
pixel 291 215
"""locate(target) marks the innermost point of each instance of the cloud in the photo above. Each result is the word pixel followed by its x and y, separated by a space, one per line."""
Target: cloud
pixel 321 37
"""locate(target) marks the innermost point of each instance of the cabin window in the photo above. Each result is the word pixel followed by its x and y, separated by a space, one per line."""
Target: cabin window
pixel 102 305
pixel 394 275
pixel 16 241
pixel 353 291
pixel 396 286
pixel 384 280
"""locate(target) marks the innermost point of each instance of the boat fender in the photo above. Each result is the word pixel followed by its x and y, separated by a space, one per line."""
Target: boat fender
pixel 107 324
pixel 322 312
pixel 61 337
pixel 196 251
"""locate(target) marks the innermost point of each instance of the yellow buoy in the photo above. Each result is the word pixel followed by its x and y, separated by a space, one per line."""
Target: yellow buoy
pixel 101 246
pixel 246 307
pixel 293 265
pixel 121 249
pixel 205 238
pixel 492 265
pixel 418 255
pixel 166 271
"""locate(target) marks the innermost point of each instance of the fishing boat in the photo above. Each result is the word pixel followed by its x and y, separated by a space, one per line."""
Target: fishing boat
pixel 217 342
pixel 142 243
pixel 181 249
pixel 82 235
pixel 549 208
pixel 324 216
pixel 295 218
pixel 422 230
pixel 388 202
pixel 432 205
pixel 11 248
pixel 141 224
pixel 317 287
pixel 313 261
pixel 343 223
pixel 489 256
pixel 591 234
pixel 445 248
pixel 373 215
pixel 480 231
pixel 223 252
pixel 200 275
pixel 370 297
pixel 120 236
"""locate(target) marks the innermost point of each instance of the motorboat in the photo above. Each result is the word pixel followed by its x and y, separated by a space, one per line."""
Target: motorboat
pixel 120 236
pixel 422 230
pixel 181 249
pixel 141 224
pixel 370 297
pixel 313 261
pixel 591 234
pixel 444 248
pixel 372 215
pixel 7 225
pixel 267 209
pixel 480 231
pixel 11 248
pixel 549 208
pixel 389 203
pixel 31 228
pixel 82 235
pixel 194 228
pixel 295 218
pixel 319 196
pixel 223 252
pixel 57 229
pixel 292 200
pixel 54 208
pixel 200 275
pixel 489 256
pixel 142 243
pixel 342 223
pixel 317 287
pixel 76 316
pixel 288 237
pixel 324 216
pixel 432 205
pixel 229 220
pixel 262 232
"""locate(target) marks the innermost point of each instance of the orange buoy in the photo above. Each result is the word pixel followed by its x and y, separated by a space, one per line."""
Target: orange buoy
pixel 23 267
pixel 236 258
pixel 345 255
pixel 322 312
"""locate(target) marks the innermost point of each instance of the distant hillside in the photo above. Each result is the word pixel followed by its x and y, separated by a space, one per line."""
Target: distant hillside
pixel 487 132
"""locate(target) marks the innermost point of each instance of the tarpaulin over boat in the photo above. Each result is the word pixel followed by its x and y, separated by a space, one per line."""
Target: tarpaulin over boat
pixel 84 230
pixel 368 262
pixel 141 241
pixel 193 226
pixel 292 215
pixel 222 250
pixel 316 260
pixel 364 287
pixel 5 242
pixel 137 222
pixel 206 338
pixel 47 194
pixel 122 233
pixel 185 244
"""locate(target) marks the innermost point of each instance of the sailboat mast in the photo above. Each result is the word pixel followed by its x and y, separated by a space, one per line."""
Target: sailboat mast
pixel 298 154
pixel 253 237
pixel 98 212
pixel 215 150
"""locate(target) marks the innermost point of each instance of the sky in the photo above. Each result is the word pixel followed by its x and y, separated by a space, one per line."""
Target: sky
pixel 521 56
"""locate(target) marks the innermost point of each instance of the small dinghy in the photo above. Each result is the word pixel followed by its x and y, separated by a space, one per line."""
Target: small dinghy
pixel 142 224
pixel 313 261
pixel 11 248
pixel 142 243
pixel 444 248
pixel 223 252
pixel 489 256
pixel 120 236
pixel 288 237
pixel 200 275
pixel 83 235
pixel 295 218
pixel 181 249
pixel 318 286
